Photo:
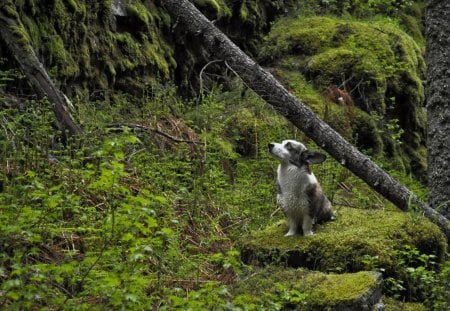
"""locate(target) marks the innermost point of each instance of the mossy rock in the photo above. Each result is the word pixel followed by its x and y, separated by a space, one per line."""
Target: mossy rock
pixel 84 44
pixel 357 240
pixel 391 304
pixel 376 62
pixel 299 289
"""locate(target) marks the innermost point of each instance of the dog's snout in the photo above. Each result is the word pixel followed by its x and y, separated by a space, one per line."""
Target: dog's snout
pixel 271 146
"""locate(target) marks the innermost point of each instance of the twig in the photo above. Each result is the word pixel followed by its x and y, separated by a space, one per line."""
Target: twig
pixel 143 128
pixel 344 82
pixel 236 74
pixel 201 74
pixel 275 212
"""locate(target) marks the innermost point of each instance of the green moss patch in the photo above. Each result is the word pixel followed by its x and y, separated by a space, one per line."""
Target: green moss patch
pixel 394 305
pixel 357 240
pixel 85 43
pixel 306 290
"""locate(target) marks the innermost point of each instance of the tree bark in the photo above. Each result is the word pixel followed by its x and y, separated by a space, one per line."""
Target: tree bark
pixel 438 103
pixel 198 27
pixel 38 76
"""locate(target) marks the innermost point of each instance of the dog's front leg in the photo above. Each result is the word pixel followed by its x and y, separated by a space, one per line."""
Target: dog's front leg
pixel 307 225
pixel 293 226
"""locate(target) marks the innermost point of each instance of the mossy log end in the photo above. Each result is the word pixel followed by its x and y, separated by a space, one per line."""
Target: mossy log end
pixel 315 290
pixel 15 38
pixel 198 27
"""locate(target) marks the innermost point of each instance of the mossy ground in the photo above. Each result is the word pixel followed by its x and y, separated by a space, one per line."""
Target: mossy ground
pixel 357 240
pixel 298 289
pixel 196 201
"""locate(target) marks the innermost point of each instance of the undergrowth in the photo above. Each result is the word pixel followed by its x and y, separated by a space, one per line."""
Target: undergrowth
pixel 126 218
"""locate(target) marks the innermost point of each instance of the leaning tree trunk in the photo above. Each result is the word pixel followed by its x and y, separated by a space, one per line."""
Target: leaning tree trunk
pixel 438 103
pixel 36 73
pixel 198 27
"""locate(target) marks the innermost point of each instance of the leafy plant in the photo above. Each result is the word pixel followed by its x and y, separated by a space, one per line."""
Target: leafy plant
pixel 418 278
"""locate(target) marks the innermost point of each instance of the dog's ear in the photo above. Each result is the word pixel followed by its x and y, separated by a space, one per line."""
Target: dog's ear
pixel 312 157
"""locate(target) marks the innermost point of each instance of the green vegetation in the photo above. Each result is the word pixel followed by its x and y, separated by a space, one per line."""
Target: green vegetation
pixel 84 43
pixel 375 63
pixel 132 219
pixel 345 244
pixel 275 288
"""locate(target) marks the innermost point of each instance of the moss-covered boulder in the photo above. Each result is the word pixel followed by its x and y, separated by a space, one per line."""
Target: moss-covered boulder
pixel 391 304
pixel 379 67
pixel 97 44
pixel 358 240
pixel 298 289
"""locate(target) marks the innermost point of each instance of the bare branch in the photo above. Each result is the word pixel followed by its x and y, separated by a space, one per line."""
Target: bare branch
pixel 142 128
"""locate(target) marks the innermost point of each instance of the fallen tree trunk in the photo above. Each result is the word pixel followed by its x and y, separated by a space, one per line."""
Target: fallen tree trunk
pixel 198 27
pixel 36 73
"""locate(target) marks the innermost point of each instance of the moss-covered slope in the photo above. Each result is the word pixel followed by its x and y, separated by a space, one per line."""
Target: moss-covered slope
pixel 127 45
pixel 87 44
pixel 378 68
pixel 357 240
pixel 307 290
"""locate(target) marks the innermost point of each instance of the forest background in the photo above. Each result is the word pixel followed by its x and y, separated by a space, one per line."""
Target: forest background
pixel 147 207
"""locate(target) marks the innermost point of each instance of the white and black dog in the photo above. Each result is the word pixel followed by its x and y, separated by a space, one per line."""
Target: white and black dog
pixel 298 191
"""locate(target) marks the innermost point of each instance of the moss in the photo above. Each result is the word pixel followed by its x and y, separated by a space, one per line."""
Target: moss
pixel 393 305
pixel 347 243
pixel 78 41
pixel 300 289
pixel 379 64
pixel 336 288
pixel 243 12
pixel 303 36
pixel 21 34
pixel 376 54
pixel 62 16
pixel 219 8
pixel 10 10
pixel 33 31
pixel 76 6
pixel 412 21
pixel 288 73
pixel 139 12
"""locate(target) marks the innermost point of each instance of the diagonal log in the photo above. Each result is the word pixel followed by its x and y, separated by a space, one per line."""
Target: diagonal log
pixel 36 73
pixel 198 27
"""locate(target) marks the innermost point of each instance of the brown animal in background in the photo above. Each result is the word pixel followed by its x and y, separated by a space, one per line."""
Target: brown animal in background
pixel 339 96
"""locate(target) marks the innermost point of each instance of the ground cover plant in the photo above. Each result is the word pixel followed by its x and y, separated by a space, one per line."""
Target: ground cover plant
pixel 147 209
pixel 126 219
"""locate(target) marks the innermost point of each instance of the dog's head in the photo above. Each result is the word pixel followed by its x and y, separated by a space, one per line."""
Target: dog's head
pixel 294 152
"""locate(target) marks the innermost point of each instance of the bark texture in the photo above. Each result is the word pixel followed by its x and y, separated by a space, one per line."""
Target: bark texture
pixel 36 73
pixel 187 18
pixel 438 103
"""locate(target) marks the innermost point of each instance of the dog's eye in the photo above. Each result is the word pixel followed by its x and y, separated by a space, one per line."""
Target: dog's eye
pixel 288 146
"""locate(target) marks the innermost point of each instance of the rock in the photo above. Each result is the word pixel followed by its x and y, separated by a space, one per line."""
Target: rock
pixel 379 65
pixel 358 240
pixel 299 289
